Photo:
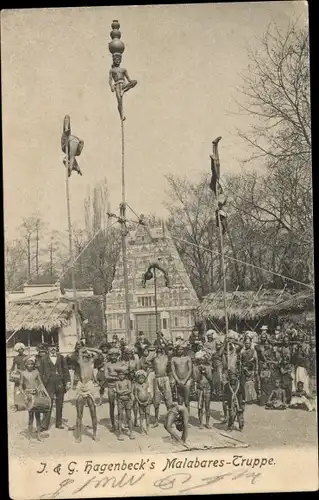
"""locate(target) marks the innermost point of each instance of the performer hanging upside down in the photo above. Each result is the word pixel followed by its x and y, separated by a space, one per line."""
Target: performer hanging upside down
pixel 120 82
pixel 176 421
pixel 85 390
pixel 75 147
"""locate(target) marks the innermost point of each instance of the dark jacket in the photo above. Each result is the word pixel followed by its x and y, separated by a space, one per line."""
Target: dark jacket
pixel 140 347
pixel 47 369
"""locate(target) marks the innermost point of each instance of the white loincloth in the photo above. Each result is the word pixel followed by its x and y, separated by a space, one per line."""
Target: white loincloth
pixel 85 389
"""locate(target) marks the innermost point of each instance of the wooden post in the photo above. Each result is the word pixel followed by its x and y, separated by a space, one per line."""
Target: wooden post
pixel 210 236
pixel 124 254
pixel 155 293
pixel 71 239
pixel 37 250
pixel 221 237
pixel 223 272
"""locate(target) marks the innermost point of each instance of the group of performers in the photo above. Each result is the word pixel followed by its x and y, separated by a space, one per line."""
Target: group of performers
pixel 236 370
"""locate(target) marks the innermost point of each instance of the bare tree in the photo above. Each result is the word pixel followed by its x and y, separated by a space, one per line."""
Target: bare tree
pixel 100 257
pixel 192 209
pixel 276 91
pixel 276 94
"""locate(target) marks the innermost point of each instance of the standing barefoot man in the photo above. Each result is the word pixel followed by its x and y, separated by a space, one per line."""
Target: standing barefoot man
pixel 85 390
pixel 182 371
pixel 162 386
pixel 202 372
pixel 112 368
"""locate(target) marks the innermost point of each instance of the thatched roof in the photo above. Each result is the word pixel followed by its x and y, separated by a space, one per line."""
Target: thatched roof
pixel 297 303
pixel 246 305
pixel 37 314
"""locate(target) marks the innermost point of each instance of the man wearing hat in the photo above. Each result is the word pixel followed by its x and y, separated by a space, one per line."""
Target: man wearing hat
pixel 141 342
pixel 195 340
pixel 210 344
pixel 56 378
pixel 115 342
pixel 179 340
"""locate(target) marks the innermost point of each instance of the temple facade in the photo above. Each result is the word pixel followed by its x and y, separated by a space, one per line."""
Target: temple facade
pixel 176 304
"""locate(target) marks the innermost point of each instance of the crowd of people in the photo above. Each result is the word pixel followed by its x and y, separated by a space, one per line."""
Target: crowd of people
pixel 269 369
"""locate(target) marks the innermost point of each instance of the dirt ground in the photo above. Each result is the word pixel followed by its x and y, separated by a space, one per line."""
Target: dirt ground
pixel 263 429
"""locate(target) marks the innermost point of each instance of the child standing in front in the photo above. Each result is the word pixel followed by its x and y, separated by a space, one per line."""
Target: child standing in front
pixel 124 396
pixel 143 396
pixel 235 401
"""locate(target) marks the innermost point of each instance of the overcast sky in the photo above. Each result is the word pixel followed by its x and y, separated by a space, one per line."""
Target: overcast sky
pixel 187 61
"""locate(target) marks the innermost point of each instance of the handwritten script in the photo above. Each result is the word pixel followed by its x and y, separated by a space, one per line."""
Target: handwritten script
pixel 174 481
pixel 178 483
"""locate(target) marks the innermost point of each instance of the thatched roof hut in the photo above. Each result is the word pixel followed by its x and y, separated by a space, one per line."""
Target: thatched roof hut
pixel 38 314
pixel 250 306
pixel 296 304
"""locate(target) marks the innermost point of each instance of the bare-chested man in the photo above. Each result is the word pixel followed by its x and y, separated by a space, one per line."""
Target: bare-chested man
pixel 162 385
pixel 112 369
pixel 131 367
pixel 182 372
pixel 202 373
pixel 176 421
pixel 119 81
pixel 85 389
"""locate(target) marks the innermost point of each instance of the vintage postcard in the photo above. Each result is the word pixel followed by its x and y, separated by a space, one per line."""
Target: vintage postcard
pixel 160 318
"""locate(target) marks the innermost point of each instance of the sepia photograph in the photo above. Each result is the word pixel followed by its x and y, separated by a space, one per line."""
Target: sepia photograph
pixel 159 260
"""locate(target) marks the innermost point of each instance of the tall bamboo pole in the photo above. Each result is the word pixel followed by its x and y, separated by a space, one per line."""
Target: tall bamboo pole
pixel 124 231
pixel 221 237
pixel 155 295
pixel 70 237
pixel 120 82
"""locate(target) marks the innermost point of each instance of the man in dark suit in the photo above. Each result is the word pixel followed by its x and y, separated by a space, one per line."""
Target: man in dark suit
pixel 141 343
pixel 55 375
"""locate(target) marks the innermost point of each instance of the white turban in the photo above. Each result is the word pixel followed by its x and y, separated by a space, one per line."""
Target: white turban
pixel 19 346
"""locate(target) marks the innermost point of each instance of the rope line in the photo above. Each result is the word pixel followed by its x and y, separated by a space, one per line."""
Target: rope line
pixel 245 263
pixel 83 250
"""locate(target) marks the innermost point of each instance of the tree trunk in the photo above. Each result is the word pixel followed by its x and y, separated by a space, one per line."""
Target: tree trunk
pixel 29 256
pixel 37 251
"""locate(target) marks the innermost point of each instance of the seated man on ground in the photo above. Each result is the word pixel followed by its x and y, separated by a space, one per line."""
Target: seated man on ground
pixel 277 399
pixel 176 423
pixel 301 400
